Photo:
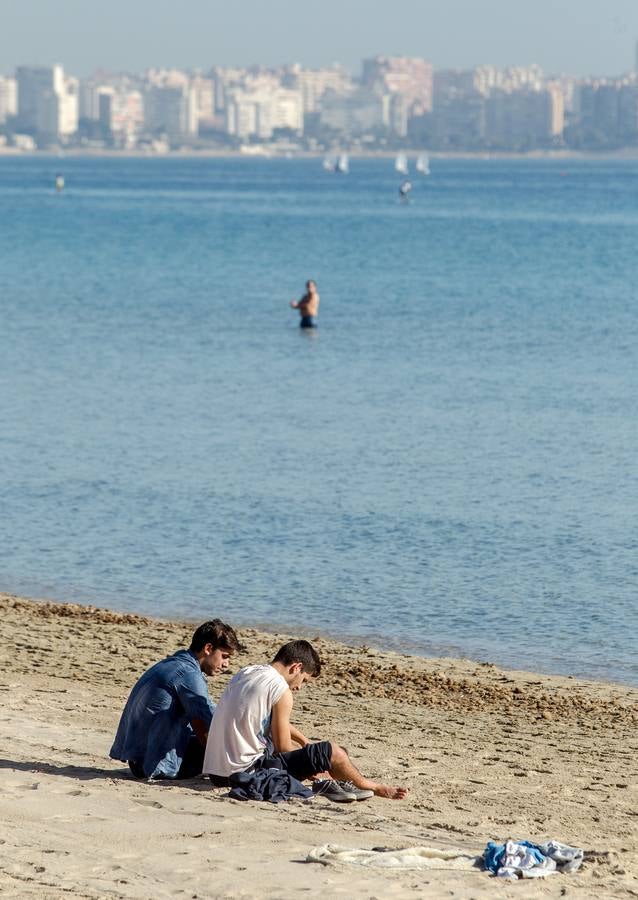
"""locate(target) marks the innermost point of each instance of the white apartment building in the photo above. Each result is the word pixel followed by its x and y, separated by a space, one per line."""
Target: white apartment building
pixel 513 78
pixel 8 98
pixel 47 101
pixel 68 108
pixel 313 84
pixel 204 98
pixel 226 80
pixel 257 113
pixel 288 110
pixel 555 109
pixel 36 86
pixel 524 117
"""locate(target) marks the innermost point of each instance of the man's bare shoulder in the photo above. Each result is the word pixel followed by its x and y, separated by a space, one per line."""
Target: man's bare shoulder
pixel 286 698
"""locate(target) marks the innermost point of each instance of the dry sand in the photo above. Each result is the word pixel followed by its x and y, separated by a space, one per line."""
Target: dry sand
pixel 487 754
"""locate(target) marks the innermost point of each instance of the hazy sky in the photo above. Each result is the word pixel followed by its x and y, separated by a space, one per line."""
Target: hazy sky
pixel 574 36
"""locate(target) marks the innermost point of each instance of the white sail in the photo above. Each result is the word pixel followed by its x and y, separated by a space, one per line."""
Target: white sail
pixel 401 164
pixel 330 164
pixel 423 164
pixel 343 164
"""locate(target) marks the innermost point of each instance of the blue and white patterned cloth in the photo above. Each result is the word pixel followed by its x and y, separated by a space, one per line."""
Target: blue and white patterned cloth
pixel 524 859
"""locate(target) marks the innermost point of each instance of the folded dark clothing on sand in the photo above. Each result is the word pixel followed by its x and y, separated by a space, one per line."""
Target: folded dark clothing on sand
pixel 274 785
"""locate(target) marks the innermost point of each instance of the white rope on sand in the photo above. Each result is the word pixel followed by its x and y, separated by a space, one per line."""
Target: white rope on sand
pixel 406 858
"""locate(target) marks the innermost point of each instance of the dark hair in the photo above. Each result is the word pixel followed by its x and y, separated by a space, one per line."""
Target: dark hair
pixel 217 633
pixel 300 652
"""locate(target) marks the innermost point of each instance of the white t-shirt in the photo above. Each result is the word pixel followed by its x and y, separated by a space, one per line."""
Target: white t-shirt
pixel 241 722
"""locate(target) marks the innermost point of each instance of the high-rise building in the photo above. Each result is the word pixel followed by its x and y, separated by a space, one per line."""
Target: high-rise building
pixel 121 114
pixel 524 118
pixel 170 111
pixel 8 98
pixel 410 77
pixel 226 80
pixel 457 121
pixel 356 112
pixel 313 84
pixel 258 113
pixel 598 109
pixel 512 78
pixel 38 89
pixel 554 123
pixel 47 101
pixel 88 100
pixel 398 115
pixel 448 84
pixel 288 110
pixel 68 108
pixel 204 99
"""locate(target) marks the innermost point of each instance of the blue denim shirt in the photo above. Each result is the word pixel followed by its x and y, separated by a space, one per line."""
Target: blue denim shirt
pixel 155 725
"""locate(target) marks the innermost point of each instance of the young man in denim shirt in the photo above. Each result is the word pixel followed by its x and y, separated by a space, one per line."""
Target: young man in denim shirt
pixel 164 726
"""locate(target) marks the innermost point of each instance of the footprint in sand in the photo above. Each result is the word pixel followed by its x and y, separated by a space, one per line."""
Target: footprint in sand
pixel 28 787
pixel 155 804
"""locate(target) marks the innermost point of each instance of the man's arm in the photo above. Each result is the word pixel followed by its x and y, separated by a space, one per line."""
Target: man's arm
pixel 201 730
pixel 280 727
pixel 193 695
pixel 298 737
pixel 302 304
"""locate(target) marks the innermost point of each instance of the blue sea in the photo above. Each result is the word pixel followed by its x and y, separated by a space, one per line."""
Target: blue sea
pixel 446 466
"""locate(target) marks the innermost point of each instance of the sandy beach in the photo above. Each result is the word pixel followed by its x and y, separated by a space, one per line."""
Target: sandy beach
pixel 487 754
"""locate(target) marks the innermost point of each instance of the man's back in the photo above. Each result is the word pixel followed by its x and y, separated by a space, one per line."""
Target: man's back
pixel 239 732
pixel 154 729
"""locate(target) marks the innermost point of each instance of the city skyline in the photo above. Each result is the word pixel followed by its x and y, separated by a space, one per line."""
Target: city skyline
pixel 396 100
pixel 563 36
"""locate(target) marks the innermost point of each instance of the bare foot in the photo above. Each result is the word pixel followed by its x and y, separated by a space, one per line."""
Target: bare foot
pixel 391 793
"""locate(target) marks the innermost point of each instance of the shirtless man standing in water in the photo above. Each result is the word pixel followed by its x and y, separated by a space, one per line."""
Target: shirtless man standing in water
pixel 308 306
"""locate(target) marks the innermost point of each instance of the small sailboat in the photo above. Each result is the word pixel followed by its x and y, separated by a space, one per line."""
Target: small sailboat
pixel 343 164
pixel 423 164
pixel 401 164
pixel 330 164
pixel 59 183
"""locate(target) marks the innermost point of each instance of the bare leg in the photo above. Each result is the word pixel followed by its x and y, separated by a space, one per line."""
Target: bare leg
pixel 342 769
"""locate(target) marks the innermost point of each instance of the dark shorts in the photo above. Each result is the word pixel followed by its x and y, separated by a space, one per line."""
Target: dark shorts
pixel 308 322
pixel 301 764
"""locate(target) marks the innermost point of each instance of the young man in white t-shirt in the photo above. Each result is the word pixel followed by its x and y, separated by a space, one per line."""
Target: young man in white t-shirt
pixel 251 730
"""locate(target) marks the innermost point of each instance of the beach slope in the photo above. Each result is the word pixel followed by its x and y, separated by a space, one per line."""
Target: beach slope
pixel 487 754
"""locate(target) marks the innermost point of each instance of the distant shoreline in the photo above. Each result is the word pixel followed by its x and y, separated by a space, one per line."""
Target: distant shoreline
pixel 629 154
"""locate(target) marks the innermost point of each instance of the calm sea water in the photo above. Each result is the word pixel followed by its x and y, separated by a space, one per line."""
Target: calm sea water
pixel 447 466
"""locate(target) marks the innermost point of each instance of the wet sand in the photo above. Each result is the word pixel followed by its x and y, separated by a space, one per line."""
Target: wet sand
pixel 487 754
